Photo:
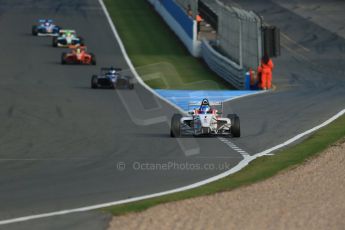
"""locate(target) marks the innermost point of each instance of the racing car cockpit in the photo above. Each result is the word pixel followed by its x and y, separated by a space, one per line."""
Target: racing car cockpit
pixel 46 22
pixel 111 73
pixel 78 49
pixel 67 35
pixel 205 108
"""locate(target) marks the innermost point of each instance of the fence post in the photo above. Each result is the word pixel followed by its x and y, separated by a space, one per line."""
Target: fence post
pixel 240 43
pixel 259 39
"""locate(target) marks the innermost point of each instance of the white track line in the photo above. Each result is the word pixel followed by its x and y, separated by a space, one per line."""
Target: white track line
pixel 234 147
pixel 238 167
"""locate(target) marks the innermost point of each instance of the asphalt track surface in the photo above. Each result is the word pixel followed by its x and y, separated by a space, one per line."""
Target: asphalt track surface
pixel 61 141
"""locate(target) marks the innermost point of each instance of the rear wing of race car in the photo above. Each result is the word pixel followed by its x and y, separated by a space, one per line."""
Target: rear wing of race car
pixel 66 31
pixel 45 20
pixel 78 46
pixel 109 68
pixel 211 103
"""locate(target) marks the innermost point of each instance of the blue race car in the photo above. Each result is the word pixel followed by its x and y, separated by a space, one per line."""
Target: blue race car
pixel 111 78
pixel 46 27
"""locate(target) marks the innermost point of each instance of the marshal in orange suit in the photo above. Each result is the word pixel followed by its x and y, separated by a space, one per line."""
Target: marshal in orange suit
pixel 265 70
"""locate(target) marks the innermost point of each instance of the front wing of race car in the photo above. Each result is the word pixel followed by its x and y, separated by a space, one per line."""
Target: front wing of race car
pixel 42 31
pixel 64 42
pixel 104 82
pixel 205 125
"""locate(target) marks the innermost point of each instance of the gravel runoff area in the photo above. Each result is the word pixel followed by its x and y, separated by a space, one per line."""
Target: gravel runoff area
pixel 310 196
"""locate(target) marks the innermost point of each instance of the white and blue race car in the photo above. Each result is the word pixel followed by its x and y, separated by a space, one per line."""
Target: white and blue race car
pixel 46 27
pixel 67 38
pixel 205 119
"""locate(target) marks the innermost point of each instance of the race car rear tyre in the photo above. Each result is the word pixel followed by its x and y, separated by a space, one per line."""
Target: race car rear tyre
pixel 93 59
pixel 235 125
pixel 175 128
pixel 131 86
pixel 34 30
pixel 55 41
pixel 94 82
pixel 57 29
pixel 63 60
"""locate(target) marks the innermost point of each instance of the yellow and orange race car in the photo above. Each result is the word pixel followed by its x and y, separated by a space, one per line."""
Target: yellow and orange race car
pixel 78 55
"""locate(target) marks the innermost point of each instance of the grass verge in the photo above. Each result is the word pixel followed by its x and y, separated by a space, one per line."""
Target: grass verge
pixel 156 52
pixel 258 170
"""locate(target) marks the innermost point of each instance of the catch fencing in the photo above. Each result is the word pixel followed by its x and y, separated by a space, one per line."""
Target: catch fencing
pixel 239 35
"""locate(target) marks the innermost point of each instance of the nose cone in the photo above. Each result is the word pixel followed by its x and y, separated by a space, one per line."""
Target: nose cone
pixel 205 120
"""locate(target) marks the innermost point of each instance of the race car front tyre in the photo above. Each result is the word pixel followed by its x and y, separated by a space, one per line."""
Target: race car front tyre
pixel 55 41
pixel 94 82
pixel 63 60
pixel 235 125
pixel 34 30
pixel 175 128
pixel 81 41
pixel 131 86
pixel 93 59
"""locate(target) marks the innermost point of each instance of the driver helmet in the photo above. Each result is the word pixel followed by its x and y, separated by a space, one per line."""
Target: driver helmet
pixel 204 109
pixel 78 50
pixel 112 71
pixel 47 23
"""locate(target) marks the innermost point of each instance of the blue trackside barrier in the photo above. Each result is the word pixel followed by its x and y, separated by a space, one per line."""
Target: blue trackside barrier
pixel 180 16
pixel 179 22
pixel 247 81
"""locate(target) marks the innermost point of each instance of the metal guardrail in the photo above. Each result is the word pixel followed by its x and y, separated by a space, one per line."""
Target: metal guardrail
pixel 224 67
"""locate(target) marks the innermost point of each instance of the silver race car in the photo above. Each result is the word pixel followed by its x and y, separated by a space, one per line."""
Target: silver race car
pixel 206 119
